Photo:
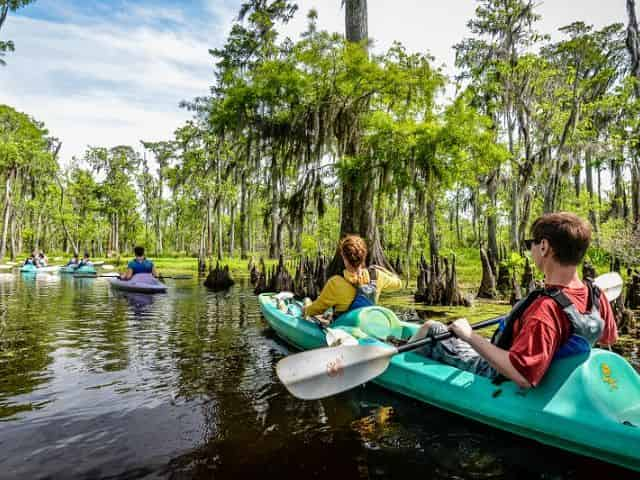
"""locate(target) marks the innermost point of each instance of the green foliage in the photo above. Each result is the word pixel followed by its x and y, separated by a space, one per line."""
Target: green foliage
pixel 5 7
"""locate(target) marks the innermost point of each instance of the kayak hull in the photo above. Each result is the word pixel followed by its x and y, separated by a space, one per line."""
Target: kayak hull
pixel 141 283
pixel 588 404
pixel 28 269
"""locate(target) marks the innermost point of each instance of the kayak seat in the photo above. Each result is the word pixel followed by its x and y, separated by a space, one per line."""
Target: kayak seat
pixel 377 322
pixel 600 382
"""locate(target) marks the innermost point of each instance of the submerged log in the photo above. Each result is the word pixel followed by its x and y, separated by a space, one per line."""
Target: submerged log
pixel 219 278
pixel 488 284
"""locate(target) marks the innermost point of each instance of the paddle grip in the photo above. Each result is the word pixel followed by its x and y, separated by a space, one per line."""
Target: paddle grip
pixel 444 336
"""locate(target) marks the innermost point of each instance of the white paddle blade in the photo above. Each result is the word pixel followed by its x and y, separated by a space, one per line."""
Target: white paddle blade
pixel 326 371
pixel 611 284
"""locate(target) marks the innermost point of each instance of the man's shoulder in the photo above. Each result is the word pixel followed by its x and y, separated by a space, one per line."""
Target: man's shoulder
pixel 543 308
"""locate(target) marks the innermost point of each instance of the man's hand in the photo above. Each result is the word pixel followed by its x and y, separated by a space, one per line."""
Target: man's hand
pixel 461 329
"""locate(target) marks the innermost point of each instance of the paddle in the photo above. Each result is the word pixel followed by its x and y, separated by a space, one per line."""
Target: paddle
pixel 326 371
pixel 174 277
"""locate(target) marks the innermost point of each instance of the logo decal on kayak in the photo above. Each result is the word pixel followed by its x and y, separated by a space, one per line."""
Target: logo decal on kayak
pixel 607 378
pixel 335 367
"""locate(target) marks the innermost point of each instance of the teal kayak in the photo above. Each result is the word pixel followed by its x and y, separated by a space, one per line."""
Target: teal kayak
pixel 85 271
pixel 29 268
pixel 67 269
pixel 586 404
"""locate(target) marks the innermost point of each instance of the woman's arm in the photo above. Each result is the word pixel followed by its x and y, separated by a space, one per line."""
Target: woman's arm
pixel 326 299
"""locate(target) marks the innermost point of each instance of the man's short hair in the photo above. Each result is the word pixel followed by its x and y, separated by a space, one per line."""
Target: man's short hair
pixel 568 235
pixel 139 251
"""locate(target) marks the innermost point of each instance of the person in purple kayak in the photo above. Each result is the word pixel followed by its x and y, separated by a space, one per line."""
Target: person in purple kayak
pixel 140 264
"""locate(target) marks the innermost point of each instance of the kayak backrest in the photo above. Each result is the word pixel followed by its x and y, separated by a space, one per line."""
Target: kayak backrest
pixel 375 321
pixel 602 381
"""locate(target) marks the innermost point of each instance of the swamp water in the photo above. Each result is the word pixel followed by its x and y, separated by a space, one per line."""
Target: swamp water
pixel 101 384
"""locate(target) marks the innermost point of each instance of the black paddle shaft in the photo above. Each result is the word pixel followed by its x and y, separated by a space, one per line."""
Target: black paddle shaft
pixel 444 336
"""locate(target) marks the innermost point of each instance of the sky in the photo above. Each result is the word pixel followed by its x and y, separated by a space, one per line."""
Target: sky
pixel 106 73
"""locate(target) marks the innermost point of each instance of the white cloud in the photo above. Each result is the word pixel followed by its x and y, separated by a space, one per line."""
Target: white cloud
pixel 90 79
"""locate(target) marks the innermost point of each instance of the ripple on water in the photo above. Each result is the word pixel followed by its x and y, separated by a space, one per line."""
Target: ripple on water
pixel 97 383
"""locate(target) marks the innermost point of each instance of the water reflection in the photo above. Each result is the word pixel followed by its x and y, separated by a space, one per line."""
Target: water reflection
pixel 96 383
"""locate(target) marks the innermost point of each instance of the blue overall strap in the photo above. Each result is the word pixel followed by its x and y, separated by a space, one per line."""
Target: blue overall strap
pixel 365 294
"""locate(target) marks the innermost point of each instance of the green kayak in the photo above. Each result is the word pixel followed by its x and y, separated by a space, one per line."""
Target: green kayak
pixel 67 269
pixel 85 271
pixel 587 404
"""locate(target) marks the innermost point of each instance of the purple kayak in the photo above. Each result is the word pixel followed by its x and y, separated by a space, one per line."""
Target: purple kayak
pixel 142 283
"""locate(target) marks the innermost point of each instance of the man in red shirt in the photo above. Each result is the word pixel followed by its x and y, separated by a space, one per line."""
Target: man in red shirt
pixel 547 326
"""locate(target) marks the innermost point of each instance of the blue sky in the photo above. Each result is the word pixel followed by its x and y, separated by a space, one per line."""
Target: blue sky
pixel 113 72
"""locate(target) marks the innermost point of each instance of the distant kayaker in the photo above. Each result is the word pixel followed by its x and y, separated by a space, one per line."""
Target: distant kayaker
pixel 140 264
pixel 86 261
pixel 565 318
pixel 32 259
pixel 356 287
pixel 42 259
pixel 75 261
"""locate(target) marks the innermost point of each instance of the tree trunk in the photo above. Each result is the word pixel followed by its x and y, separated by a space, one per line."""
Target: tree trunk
pixel 202 252
pixel 514 216
pixel 492 221
pixel 633 43
pixel 356 21
pixel 209 243
pixel 244 231
pixel 358 213
pixel 588 170
pixel 434 248
pixel 7 213
pixel 232 230
pixel 159 243
pixel 551 190
pixel 488 284
pixel 618 189
pixel 12 240
pixel 274 251
pixel 38 234
pixel 635 192
pixel 219 220
pixel 524 218
pixel 576 177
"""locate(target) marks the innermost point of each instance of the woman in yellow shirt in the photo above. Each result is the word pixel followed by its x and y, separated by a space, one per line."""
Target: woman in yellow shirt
pixel 340 291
